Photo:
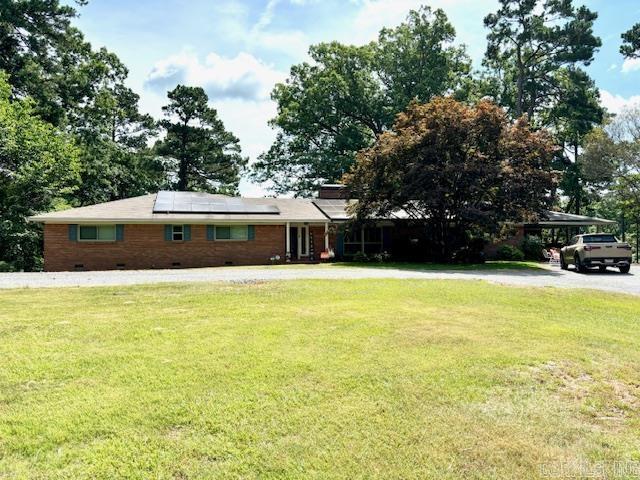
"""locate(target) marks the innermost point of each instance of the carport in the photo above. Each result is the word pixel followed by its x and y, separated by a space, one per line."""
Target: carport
pixel 556 228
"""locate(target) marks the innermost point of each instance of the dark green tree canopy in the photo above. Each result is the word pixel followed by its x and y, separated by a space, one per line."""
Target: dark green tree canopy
pixel 630 47
pixel 207 157
pixel 49 60
pixel 416 60
pixel 464 171
pixel 529 40
pixel 83 92
pixel 337 104
pixel 38 169
pixel 34 37
pixel 575 113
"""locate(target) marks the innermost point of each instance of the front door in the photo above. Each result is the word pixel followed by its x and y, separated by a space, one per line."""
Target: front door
pixel 303 241
pixel 293 235
pixel 299 237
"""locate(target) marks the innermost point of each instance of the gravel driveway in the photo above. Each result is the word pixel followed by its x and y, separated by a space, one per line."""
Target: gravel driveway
pixel 552 277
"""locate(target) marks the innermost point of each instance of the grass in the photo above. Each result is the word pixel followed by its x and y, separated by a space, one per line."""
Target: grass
pixel 316 379
pixel 424 266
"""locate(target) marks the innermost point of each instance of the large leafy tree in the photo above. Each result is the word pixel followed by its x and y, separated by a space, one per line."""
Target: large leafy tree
pixel 462 171
pixel 612 157
pixel 83 92
pixel 49 60
pixel 340 102
pixel 529 41
pixel 38 170
pixel 37 44
pixel 207 157
pixel 79 91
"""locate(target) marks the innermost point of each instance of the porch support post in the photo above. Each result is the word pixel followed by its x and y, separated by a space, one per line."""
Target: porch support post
pixel 288 242
pixel 326 236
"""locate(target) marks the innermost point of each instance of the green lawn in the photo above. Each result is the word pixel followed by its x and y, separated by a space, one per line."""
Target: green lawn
pixel 491 265
pixel 426 266
pixel 316 379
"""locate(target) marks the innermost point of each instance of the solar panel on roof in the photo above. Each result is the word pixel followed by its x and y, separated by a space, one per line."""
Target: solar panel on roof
pixel 197 202
pixel 333 208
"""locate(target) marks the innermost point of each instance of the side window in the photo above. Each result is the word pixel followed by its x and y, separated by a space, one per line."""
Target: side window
pixel 231 232
pixel 177 233
pixel 223 233
pixel 100 233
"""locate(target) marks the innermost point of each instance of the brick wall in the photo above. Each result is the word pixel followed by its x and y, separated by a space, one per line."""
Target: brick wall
pixel 515 240
pixel 318 239
pixel 144 247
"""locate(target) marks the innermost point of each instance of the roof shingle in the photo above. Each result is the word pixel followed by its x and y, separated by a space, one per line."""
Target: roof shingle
pixel 140 210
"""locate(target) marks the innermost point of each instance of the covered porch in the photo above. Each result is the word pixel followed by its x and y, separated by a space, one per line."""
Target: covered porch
pixel 305 241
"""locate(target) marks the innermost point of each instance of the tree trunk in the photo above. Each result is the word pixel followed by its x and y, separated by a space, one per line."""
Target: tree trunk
pixel 638 240
pixel 183 171
pixel 182 176
pixel 520 83
pixel 113 128
pixel 578 183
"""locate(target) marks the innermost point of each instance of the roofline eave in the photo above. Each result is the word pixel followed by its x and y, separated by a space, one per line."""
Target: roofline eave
pixel 192 221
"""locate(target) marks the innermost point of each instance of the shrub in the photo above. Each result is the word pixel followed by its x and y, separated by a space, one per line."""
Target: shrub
pixel 472 252
pixel 509 252
pixel 5 266
pixel 360 257
pixel 532 247
pixel 381 257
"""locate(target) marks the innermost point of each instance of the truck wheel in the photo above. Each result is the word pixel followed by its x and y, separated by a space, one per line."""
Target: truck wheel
pixel 563 264
pixel 579 267
pixel 625 269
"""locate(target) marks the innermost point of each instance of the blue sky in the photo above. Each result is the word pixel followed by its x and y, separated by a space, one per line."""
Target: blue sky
pixel 238 49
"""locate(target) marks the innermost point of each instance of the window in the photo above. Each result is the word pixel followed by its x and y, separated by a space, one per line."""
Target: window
pixel 602 238
pixel 97 233
pixel 367 240
pixel 231 232
pixel 352 242
pixel 373 235
pixel 372 241
pixel 177 233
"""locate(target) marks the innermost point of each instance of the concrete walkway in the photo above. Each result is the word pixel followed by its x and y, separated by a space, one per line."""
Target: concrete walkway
pixel 550 277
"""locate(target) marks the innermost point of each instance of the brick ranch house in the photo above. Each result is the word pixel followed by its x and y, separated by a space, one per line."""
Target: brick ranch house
pixel 191 229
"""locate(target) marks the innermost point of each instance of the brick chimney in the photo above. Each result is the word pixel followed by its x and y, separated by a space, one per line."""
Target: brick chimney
pixel 333 191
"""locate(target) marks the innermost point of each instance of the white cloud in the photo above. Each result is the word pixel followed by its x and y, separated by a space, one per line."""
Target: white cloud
pixel 617 103
pixel 375 14
pixel 248 120
pixel 465 15
pixel 630 65
pixel 260 36
pixel 293 43
pixel 242 77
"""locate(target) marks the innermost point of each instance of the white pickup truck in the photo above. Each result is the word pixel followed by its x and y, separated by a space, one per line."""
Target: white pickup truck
pixel 600 250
